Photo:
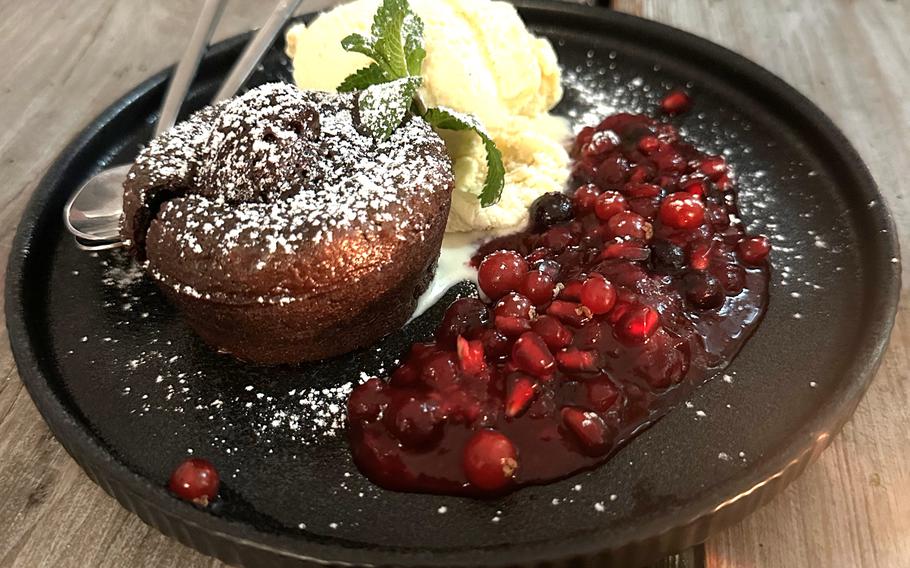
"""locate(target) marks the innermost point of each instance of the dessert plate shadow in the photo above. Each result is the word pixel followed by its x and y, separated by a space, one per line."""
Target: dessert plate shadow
pixel 130 391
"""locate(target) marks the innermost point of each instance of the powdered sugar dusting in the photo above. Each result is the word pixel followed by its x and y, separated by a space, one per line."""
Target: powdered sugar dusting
pixel 304 413
pixel 310 415
pixel 382 106
pixel 277 170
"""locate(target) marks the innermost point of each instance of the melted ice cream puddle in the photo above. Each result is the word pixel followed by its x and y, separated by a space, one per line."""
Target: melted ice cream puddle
pixel 454 266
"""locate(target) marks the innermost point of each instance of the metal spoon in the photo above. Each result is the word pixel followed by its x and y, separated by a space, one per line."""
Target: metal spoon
pixel 92 214
pixel 256 48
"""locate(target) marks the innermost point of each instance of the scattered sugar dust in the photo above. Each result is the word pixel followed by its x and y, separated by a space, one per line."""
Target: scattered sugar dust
pixel 595 89
pixel 304 414
pixel 310 415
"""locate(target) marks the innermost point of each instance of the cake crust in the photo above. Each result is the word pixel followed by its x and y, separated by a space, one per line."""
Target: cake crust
pixel 284 233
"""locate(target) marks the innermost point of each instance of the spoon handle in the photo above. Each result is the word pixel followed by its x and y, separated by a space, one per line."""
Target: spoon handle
pixel 256 48
pixel 186 68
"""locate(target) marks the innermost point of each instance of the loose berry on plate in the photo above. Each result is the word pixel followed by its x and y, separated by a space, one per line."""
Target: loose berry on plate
pixel 638 324
pixel 464 316
pixel 754 250
pixel 501 272
pixel 703 290
pixel 552 331
pixel 609 203
pixel 531 355
pixel 519 396
pixel 490 460
pixel 584 198
pixel 682 210
pixel 195 480
pixel 588 427
pixel 598 295
pixel 538 286
pixel 629 225
pixel 550 209
pixel 676 102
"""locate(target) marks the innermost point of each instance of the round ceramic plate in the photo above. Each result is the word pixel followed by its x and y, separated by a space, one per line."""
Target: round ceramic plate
pixel 130 391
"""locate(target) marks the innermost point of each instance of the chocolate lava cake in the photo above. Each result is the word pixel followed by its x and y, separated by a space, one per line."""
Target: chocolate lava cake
pixel 282 231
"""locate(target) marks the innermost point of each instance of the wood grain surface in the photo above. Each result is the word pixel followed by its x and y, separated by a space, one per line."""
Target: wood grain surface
pixel 63 62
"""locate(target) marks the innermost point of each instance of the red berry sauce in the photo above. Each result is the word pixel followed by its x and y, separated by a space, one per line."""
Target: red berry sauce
pixel 603 315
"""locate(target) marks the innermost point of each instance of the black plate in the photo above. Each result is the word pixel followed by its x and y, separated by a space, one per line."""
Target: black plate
pixel 106 359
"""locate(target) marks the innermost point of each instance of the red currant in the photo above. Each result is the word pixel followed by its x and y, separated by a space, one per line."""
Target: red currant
pixel 501 272
pixel 490 460
pixel 195 480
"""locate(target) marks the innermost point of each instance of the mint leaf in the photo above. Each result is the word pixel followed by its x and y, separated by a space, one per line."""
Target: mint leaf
pixel 395 44
pixel 390 86
pixel 359 44
pixel 363 78
pixel 412 31
pixel 448 119
pixel 496 173
pixel 382 107
pixel 415 59
pixel 396 41
pixel 389 43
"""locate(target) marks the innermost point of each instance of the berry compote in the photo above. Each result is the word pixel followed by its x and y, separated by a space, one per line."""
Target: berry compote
pixel 620 299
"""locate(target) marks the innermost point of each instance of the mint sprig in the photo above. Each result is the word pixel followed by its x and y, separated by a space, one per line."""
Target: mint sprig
pixel 390 84
pixel 395 42
pixel 448 119
pixel 359 80
pixel 383 106
pixel 412 32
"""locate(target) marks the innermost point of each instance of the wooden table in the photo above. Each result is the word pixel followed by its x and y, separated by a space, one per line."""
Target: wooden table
pixel 63 62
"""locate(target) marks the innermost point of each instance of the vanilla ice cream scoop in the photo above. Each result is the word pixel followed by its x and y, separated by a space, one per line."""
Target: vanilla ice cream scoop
pixel 481 60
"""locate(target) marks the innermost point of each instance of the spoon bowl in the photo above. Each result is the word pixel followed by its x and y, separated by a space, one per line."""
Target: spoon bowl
pixel 93 212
